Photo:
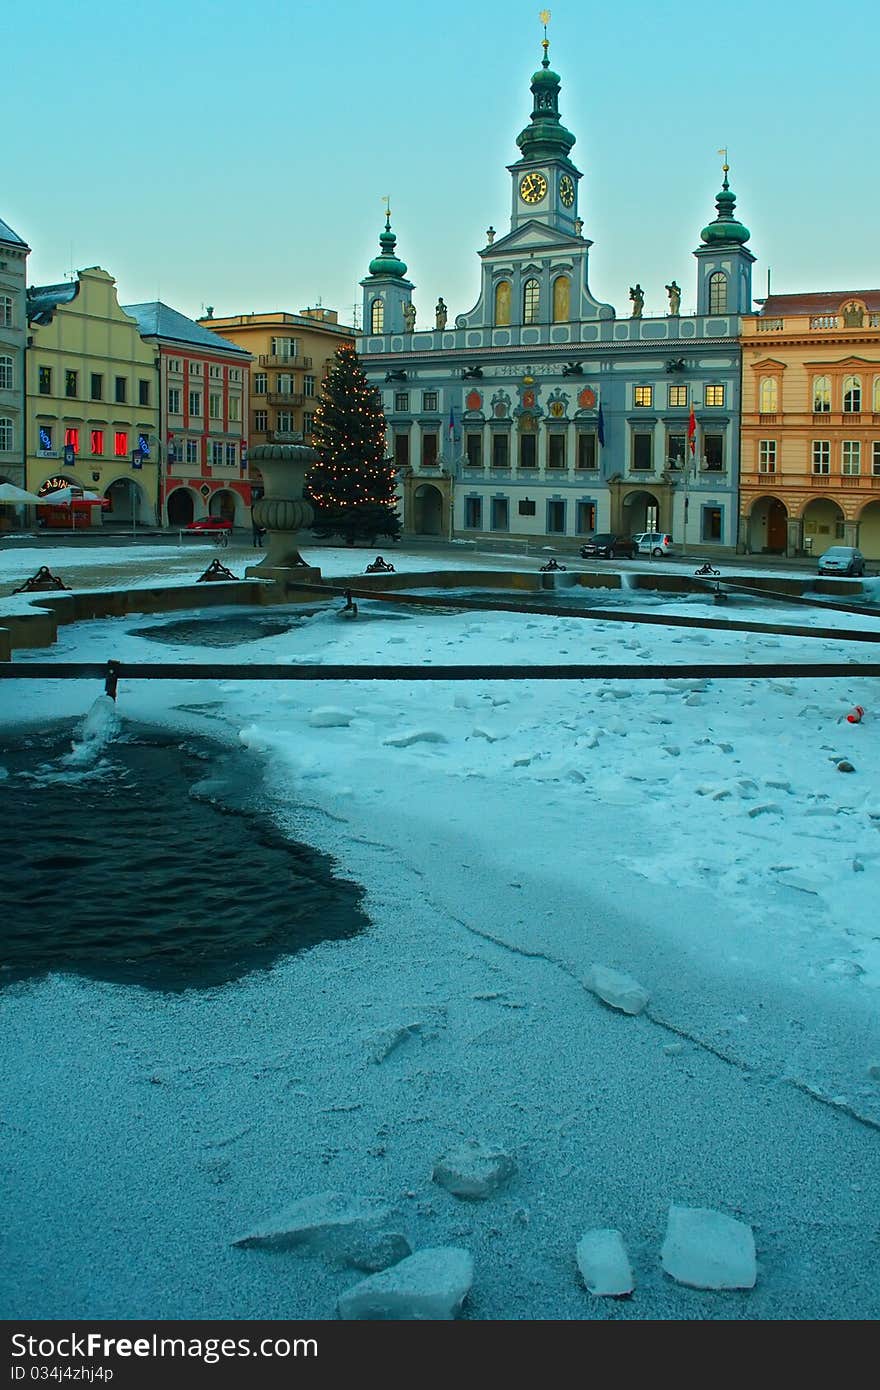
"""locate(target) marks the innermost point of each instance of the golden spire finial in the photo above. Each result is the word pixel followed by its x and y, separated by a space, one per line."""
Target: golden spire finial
pixel 725 166
pixel 544 17
pixel 387 201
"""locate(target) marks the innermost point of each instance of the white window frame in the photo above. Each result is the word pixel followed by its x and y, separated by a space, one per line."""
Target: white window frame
pixel 7 373
pixel 175 403
pixel 195 404
pixel 767 455
pixel 851 458
pixel 6 311
pixel 821 458
pixel 852 388
pixel 7 434
pixel 768 395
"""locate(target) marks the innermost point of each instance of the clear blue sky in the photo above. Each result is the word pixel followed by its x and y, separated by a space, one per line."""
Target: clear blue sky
pixel 236 155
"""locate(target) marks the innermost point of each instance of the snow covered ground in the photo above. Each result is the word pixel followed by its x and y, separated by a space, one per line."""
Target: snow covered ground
pixel 511 836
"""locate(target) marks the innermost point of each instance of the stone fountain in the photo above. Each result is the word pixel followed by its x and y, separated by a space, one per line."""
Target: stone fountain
pixel 284 512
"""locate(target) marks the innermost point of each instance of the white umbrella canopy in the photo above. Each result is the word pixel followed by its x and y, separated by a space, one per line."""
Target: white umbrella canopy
pixel 63 496
pixel 10 494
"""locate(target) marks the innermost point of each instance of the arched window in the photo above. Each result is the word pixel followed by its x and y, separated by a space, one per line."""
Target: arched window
pixel 6 436
pixel 852 395
pixel 876 405
pixel 531 301
pixel 769 395
pixel 6 382
pixel 718 293
pixel 821 395
pixel 5 311
pixel 377 316
pixel 561 298
pixel 502 304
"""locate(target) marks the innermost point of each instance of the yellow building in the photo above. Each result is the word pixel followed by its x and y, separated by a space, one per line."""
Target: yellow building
pixel 810 470
pixel 291 354
pixel 92 399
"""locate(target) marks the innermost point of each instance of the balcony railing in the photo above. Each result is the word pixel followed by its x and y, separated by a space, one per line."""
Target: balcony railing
pixel 269 359
pixel 285 398
pixel 824 321
pixel 285 436
pixel 770 325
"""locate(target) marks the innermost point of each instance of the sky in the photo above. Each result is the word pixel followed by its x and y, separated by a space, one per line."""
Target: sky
pixel 509 837
pixel 211 153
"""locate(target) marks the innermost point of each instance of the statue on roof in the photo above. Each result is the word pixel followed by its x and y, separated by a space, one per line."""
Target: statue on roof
pixel 674 292
pixel 440 313
pixel 637 295
pixel 409 318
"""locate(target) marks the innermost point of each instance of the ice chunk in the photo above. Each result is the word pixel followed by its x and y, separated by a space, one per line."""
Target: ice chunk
pixel 327 717
pixel 430 1285
pixel 360 1232
pixel 383 1043
pixel 416 736
pixel 617 990
pixel 473 1170
pixel 603 1263
pixel 707 1250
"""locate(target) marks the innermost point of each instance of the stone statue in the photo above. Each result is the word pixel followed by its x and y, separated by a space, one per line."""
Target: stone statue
pixel 409 318
pixel 674 292
pixel 578 226
pixel 440 313
pixel 637 295
pixel 490 235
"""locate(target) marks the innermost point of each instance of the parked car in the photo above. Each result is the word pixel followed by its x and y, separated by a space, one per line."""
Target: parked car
pixel 210 523
pixel 842 559
pixel 608 546
pixel 653 543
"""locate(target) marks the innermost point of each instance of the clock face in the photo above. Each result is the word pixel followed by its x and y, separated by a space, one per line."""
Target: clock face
pixel 533 188
pixel 566 189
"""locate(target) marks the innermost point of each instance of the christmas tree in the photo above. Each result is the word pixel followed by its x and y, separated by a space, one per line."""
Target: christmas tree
pixel 352 486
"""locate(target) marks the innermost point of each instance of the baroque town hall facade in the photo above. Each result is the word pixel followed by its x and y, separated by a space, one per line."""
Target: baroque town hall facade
pixel 540 413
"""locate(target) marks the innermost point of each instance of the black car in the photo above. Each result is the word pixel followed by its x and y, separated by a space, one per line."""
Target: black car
pixel 606 545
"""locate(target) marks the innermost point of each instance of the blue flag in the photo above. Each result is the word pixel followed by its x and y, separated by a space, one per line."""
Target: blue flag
pixel 601 426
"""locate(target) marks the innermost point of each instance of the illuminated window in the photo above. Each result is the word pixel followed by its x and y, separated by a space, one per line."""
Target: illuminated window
pixel 718 293
pixel 768 399
pixel 71 439
pixel 821 395
pixel 713 395
pixel 531 301
pixel 643 395
pixel 851 457
pixel 767 456
pixel 96 440
pixel 377 316
pixel 502 304
pixel 876 400
pixel 678 395
pixel 561 299
pixel 852 395
pixel 120 444
pixel 821 456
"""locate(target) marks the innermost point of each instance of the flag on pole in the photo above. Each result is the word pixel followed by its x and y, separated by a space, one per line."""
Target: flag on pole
pixel 451 426
pixel 692 431
pixel 600 425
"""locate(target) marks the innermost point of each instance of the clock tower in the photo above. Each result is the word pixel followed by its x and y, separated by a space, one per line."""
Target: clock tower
pixel 544 179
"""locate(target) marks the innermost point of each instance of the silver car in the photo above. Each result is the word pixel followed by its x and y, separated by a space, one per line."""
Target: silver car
pixel 842 559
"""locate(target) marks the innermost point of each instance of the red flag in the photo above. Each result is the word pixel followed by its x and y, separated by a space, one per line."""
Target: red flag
pixel 692 431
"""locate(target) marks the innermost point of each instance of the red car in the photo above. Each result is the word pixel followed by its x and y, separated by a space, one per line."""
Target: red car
pixel 210 523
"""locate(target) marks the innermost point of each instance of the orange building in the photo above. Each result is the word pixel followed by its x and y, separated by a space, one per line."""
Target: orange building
pixel 810 469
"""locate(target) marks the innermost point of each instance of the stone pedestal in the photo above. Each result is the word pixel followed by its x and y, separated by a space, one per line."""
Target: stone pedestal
pixel 283 511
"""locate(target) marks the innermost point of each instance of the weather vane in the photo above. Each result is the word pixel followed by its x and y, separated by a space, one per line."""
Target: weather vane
pixel 387 201
pixel 723 152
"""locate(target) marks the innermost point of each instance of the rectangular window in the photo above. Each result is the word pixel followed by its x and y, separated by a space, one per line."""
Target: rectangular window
pixel 713 395
pixel 71 439
pixel 174 364
pixel 44 381
pixel 195 402
pixel 261 383
pixel 642 457
pixel 875 458
pixel 46 436
pixel 556 450
pixel 6 379
pixel 401 451
pixel 555 517
pixel 235 373
pixel 285 422
pixel 231 456
pixel 308 422
pixel 822 456
pixel 174 400
pixel 429 400
pixel 193 451
pixel 235 408
pixel 500 450
pixel 195 369
pixel 851 458
pixel 5 311
pixel 678 395
pixel 215 405
pixel 676 445
pixel 7 437
pixel 473 447
pixel 261 421
pixel 70 383
pixel 214 370
pixel 284 347
pixel 585 518
pixel 216 454
pixel 120 390
pixel 308 386
pixel 587 454
pixel 473 513
pixel 143 392
pixel 401 401
pixel 285 383
pixel 97 386
pixel 710 529
pixel 500 514
pixel 528 451
pixel 767 456
pixel 713 452
pixel 97 442
pixel 429 450
pixel 120 444
pixel 643 395
pixel 526 507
